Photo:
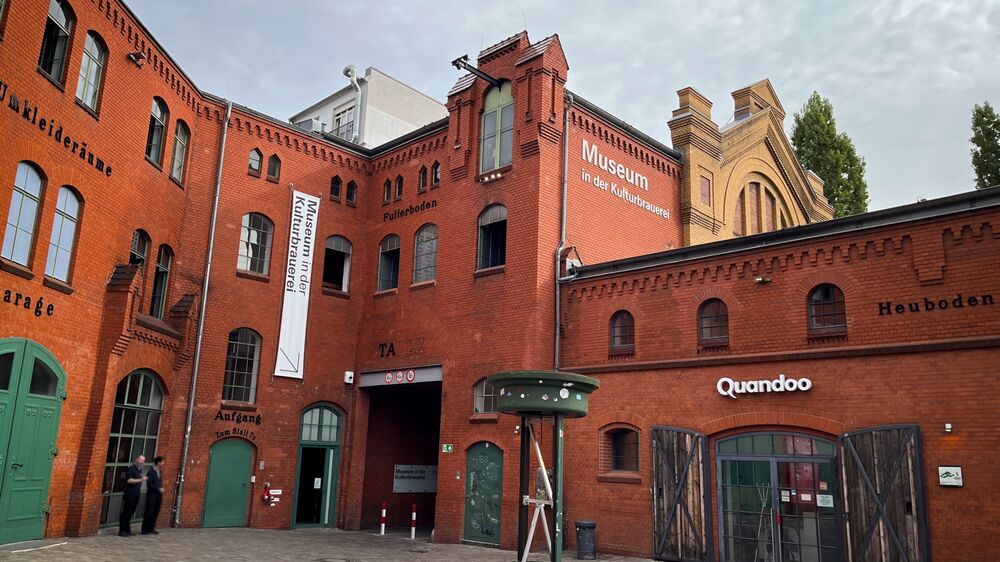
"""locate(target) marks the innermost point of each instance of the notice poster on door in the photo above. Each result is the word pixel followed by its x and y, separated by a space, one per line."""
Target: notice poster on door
pixel 297 277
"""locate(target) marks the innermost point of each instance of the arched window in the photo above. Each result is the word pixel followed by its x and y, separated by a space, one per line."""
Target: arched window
pixel 255 160
pixel 255 244
pixel 399 187
pixel 57 264
pixel 182 135
pixel 484 397
pixel 320 424
pixel 22 219
pixel 492 248
pixel 388 263
pixel 713 322
pixel 135 430
pixel 273 167
pixel 425 254
pixel 88 88
pixel 161 281
pixel 335 186
pixel 55 42
pixel 422 183
pixel 621 449
pixel 496 134
pixel 386 191
pixel 242 364
pixel 753 208
pixel 159 115
pixel 352 193
pixel 622 331
pixel 139 252
pixel 337 263
pixel 435 174
pixel 827 312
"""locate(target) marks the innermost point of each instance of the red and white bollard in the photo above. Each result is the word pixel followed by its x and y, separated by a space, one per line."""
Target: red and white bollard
pixel 413 522
pixel 384 506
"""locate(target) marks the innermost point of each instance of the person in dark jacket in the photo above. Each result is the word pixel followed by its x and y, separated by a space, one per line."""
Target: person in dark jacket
pixel 154 497
pixel 130 499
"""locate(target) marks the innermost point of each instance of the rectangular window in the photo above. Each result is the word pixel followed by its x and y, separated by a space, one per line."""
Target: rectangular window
pixel 625 450
pixel 388 270
pixel 343 124
pixel 55 42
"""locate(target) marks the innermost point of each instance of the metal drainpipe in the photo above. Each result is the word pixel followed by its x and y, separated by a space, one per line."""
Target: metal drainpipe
pixel 351 72
pixel 178 498
pixel 568 98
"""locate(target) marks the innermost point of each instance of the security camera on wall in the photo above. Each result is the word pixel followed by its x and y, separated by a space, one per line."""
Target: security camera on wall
pixel 348 377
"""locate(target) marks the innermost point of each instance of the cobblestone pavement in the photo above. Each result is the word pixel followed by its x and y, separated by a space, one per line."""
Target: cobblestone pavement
pixel 313 545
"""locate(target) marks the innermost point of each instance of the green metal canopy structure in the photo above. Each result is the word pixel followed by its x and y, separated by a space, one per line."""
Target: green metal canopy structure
pixel 535 396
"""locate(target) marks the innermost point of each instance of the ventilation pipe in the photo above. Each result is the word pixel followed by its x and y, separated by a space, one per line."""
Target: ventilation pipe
pixel 196 361
pixel 351 72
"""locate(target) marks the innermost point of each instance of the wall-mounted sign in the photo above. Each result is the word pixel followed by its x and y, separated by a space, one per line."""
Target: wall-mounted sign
pixel 34 306
pixel 386 349
pixel 298 276
pixel 52 129
pixel 240 420
pixel 401 376
pixel 407 211
pixel 950 476
pixel 414 478
pixel 888 308
pixel 728 387
pixel 447 448
pixel 824 500
pixel 618 174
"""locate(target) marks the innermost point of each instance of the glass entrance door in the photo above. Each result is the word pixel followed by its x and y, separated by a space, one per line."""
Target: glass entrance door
pixel 778 499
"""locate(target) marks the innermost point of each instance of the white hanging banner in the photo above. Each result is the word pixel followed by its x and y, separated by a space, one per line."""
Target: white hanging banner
pixel 298 274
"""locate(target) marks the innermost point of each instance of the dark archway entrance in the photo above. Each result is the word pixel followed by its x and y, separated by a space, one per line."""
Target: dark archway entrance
pixel 318 467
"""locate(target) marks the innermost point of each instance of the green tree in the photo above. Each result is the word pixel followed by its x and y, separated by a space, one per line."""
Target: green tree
pixel 985 145
pixel 831 155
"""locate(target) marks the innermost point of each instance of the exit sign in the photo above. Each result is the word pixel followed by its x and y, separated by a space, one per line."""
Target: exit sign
pixel 447 448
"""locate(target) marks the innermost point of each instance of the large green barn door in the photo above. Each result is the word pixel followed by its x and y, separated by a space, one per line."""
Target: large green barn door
pixel 483 491
pixel 228 486
pixel 32 387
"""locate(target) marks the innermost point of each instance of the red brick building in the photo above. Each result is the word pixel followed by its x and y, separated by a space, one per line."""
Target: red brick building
pixel 284 313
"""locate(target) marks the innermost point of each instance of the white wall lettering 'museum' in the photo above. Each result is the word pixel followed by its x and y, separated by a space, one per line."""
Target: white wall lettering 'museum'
pixel 619 171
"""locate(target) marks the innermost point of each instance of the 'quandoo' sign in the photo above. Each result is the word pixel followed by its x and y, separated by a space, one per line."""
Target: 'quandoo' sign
pixel 728 387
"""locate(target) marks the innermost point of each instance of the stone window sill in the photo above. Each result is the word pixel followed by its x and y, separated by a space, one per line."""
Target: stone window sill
pixel 485 417
pixel 715 345
pixel 58 285
pixel 623 352
pixel 351 203
pixel 493 175
pixel 336 293
pixel 16 269
pixel 424 284
pixel 827 335
pixel 386 293
pixel 238 406
pixel 154 163
pixel 157 325
pixel 50 78
pixel 252 172
pixel 253 276
pixel 490 271
pixel 620 477
pixel 177 182
pixel 90 111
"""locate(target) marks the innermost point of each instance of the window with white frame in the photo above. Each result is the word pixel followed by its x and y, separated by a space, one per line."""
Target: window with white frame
pixel 255 244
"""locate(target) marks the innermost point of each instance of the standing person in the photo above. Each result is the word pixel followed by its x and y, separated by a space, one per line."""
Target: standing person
pixel 154 497
pixel 130 499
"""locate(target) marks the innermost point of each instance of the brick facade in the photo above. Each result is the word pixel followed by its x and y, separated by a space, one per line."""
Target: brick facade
pixel 469 323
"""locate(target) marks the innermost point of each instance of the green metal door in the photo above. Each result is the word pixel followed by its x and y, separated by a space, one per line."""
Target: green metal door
pixel 32 387
pixel 483 492
pixel 228 486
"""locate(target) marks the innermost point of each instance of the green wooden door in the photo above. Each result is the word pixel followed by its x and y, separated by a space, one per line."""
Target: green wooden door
pixel 228 486
pixel 483 491
pixel 32 387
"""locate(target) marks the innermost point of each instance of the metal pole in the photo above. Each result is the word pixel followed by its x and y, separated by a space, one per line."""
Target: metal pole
pixel 196 363
pixel 557 504
pixel 522 509
pixel 557 499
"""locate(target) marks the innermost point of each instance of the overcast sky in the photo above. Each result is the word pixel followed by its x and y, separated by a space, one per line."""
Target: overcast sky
pixel 902 76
